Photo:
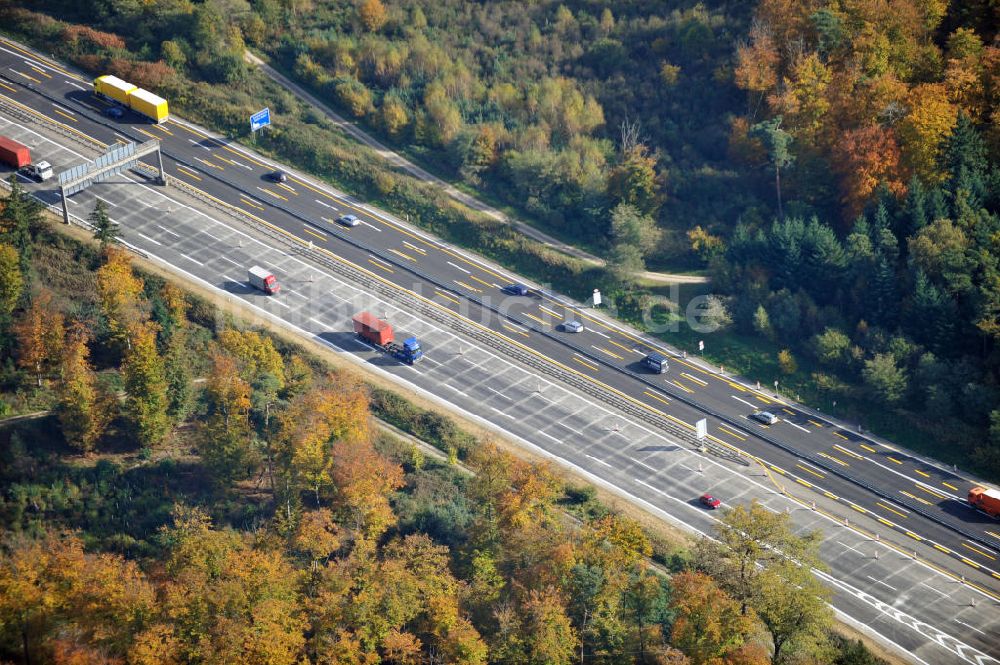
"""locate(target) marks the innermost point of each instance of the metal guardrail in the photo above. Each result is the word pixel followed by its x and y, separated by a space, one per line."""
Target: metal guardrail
pixel 493 341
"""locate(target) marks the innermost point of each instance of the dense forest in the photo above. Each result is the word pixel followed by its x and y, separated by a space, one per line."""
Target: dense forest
pixel 831 164
pixel 176 487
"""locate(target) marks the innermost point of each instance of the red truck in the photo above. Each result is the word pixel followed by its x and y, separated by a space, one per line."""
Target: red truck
pixel 986 500
pixel 13 153
pixel 379 334
pixel 18 155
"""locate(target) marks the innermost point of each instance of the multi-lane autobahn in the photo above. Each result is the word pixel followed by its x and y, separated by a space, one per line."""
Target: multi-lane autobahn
pixel 915 500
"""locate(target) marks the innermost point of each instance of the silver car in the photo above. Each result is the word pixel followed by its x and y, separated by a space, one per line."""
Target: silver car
pixel 348 220
pixel 765 417
pixel 572 326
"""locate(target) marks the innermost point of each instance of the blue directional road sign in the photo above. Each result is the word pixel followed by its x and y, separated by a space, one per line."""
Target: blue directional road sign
pixel 260 120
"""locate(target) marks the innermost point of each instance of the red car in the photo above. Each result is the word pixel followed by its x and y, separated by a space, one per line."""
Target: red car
pixel 709 501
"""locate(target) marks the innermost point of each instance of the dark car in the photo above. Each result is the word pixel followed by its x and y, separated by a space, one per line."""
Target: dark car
pixel 114 112
pixel 516 289
pixel 709 501
pixel 278 176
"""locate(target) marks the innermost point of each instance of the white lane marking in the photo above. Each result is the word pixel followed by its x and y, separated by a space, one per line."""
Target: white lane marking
pixel 549 436
pixel 888 586
pixel 598 332
pixel 294 293
pixel 458 267
pixel 854 549
pixel 216 238
pixel 502 413
pixel 148 238
pixel 75 85
pixel 200 145
pixel 278 302
pixel 943 594
pixel 371 226
pixel 753 406
pixel 799 426
pixel 322 203
pixel 192 260
pixel 599 461
pixel 643 464
pixel 226 258
pixel 968 626
pixel 325 324
pixel 382 261
pixel 166 230
pixel 494 390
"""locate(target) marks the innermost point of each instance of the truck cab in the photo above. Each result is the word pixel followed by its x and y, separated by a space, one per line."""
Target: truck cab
pixel 411 350
pixel 41 171
pixel 656 362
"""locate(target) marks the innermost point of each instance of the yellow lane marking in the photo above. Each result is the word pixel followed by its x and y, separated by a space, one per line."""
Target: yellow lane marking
pixel 287 188
pixel 732 433
pixel 841 436
pixel 682 387
pixel 802 482
pixel 531 316
pixel 788 411
pixel 696 380
pixel 893 459
pixel 971 563
pixel 415 248
pixel 834 459
pixel 30 78
pixel 868 448
pixel 679 421
pixel 949 486
pixel 162 129
pixel 223 168
pixel 762 399
pixel 513 329
pixel 995 535
pixel 889 508
pixel 808 470
pixel 250 203
pixel 448 297
pixel 933 493
pixel 8 87
pixel 913 535
pixel 859 508
pixel 621 346
pixel 143 131
pixel 379 265
pixel 656 397
pixel 186 171
pixel 943 549
pixel 736 386
pixel 613 355
pixel 813 422
pixel 885 521
pixel 584 362
pixel 275 194
pixel 248 158
pixel 847 452
pixel 66 115
pixel 979 551
pixel 549 311
pixel 778 469
pixel 831 495
pixel 915 497
pixel 41 71
pixel 923 473
pixel 471 288
pixel 313 233
pixel 483 282
pixel 405 256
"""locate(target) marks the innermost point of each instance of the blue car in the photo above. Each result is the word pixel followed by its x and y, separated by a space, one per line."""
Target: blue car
pixel 114 112
pixel 516 289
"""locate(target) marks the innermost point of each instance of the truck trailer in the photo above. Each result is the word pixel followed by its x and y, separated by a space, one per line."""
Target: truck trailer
pixel 263 279
pixel 986 500
pixel 113 88
pixel 379 334
pixel 18 155
pixel 141 101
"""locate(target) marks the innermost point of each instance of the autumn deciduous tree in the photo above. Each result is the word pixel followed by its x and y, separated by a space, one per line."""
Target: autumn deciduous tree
pixel 372 14
pixel 930 120
pixel 119 292
pixel 708 623
pixel 364 481
pixel 549 636
pixel 84 411
pixel 146 385
pixel 225 437
pixel 40 336
pixel 11 279
pixel 865 158
pixel 254 353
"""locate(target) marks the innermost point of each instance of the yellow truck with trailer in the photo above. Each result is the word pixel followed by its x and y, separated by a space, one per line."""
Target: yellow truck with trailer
pixel 139 100
pixel 113 88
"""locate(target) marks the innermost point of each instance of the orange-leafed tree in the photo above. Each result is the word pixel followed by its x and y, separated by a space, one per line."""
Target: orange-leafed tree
pixel 225 437
pixel 119 292
pixel 865 158
pixel 373 14
pixel 548 633
pixel 83 409
pixel 709 624
pixel 757 65
pixel 255 354
pixel 364 481
pixel 40 333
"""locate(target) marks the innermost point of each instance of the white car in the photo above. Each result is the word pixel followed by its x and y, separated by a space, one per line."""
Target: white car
pixel 572 327
pixel 348 220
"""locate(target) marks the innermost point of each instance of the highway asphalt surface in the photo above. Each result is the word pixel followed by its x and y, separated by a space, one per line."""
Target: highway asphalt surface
pixel 418 263
pixel 802 445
